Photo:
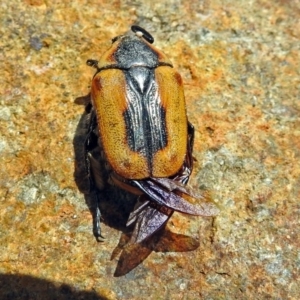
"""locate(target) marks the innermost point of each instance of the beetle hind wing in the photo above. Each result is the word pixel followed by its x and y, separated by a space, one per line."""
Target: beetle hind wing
pixel 163 197
pixel 148 219
pixel 176 196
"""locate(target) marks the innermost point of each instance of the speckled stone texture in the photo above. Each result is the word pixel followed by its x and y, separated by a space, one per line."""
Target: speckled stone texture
pixel 240 64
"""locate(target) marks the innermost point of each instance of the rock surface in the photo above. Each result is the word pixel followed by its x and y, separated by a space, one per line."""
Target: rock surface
pixel 240 64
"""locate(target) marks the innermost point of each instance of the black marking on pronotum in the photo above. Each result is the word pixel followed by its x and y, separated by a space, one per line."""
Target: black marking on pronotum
pixel 135 52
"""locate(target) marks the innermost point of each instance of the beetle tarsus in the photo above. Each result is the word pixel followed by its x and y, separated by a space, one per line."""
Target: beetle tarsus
pixel 97 225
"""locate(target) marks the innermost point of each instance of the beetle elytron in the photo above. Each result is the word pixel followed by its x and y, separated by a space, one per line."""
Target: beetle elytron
pixel 137 120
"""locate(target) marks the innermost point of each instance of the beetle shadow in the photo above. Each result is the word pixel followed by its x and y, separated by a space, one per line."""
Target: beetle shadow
pixel 19 286
pixel 115 206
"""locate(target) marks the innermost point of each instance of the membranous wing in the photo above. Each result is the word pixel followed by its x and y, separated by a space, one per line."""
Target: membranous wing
pixel 166 196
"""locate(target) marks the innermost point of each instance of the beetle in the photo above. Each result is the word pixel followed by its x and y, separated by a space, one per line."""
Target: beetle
pixel 137 124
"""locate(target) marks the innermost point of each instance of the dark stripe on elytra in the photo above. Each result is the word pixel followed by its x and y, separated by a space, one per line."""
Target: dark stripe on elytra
pixel 145 129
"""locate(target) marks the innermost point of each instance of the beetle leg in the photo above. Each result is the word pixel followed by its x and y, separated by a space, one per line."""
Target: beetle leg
pixel 124 184
pixel 94 171
pixel 190 146
pixel 97 221
pixel 81 174
pixel 191 136
pixel 92 201
pixel 185 172
pixel 89 143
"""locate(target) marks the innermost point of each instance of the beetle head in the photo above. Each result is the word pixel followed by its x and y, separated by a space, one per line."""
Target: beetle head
pixel 133 49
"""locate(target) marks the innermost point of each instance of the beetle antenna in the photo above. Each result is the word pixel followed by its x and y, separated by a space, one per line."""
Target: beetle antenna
pixel 92 63
pixel 139 31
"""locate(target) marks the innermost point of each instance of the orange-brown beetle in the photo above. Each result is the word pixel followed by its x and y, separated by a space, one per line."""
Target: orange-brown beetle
pixel 137 117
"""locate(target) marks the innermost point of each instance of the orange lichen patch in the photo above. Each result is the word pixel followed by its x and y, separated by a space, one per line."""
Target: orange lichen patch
pixel 261 281
pixel 228 18
pixel 180 223
pixel 35 2
pixel 162 57
pixel 203 68
pixel 19 166
pixel 213 128
pixel 66 210
pixel 105 293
